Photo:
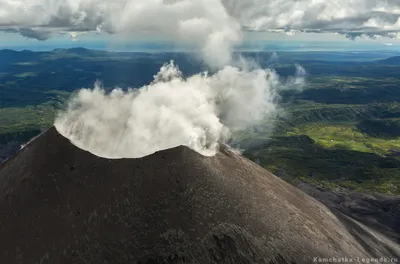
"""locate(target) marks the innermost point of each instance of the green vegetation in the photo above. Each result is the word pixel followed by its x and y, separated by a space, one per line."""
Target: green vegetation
pixel 26 63
pixel 386 128
pixel 325 145
pixel 342 130
pixel 330 155
pixel 26 118
pixel 346 136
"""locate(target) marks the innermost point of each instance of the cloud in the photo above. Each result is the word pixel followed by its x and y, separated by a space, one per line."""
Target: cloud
pixel 318 16
pixel 363 16
pixel 40 34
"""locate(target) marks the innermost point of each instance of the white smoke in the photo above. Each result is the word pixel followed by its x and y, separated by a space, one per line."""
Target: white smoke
pixel 200 112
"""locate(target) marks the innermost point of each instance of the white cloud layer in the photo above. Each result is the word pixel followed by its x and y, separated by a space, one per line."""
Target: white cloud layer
pixel 220 19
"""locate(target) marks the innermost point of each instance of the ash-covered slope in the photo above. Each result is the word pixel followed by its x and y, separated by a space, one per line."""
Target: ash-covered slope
pixel 60 204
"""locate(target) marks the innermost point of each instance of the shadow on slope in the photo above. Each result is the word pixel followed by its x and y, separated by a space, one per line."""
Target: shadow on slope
pixel 367 217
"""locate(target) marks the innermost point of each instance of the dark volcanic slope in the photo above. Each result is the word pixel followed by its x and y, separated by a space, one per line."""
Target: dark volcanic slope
pixel 60 204
pixel 376 212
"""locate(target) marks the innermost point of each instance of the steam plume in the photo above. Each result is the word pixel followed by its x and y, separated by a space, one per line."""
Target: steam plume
pixel 200 112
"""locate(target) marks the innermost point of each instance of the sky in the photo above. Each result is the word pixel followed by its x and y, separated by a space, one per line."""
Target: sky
pixel 208 25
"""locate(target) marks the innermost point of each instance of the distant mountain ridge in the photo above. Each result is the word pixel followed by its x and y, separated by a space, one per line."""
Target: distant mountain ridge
pixel 314 56
pixel 391 61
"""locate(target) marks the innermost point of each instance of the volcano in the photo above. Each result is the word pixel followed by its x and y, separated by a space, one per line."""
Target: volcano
pixel 61 204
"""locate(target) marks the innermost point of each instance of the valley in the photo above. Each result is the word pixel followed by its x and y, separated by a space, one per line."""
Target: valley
pixel 342 130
